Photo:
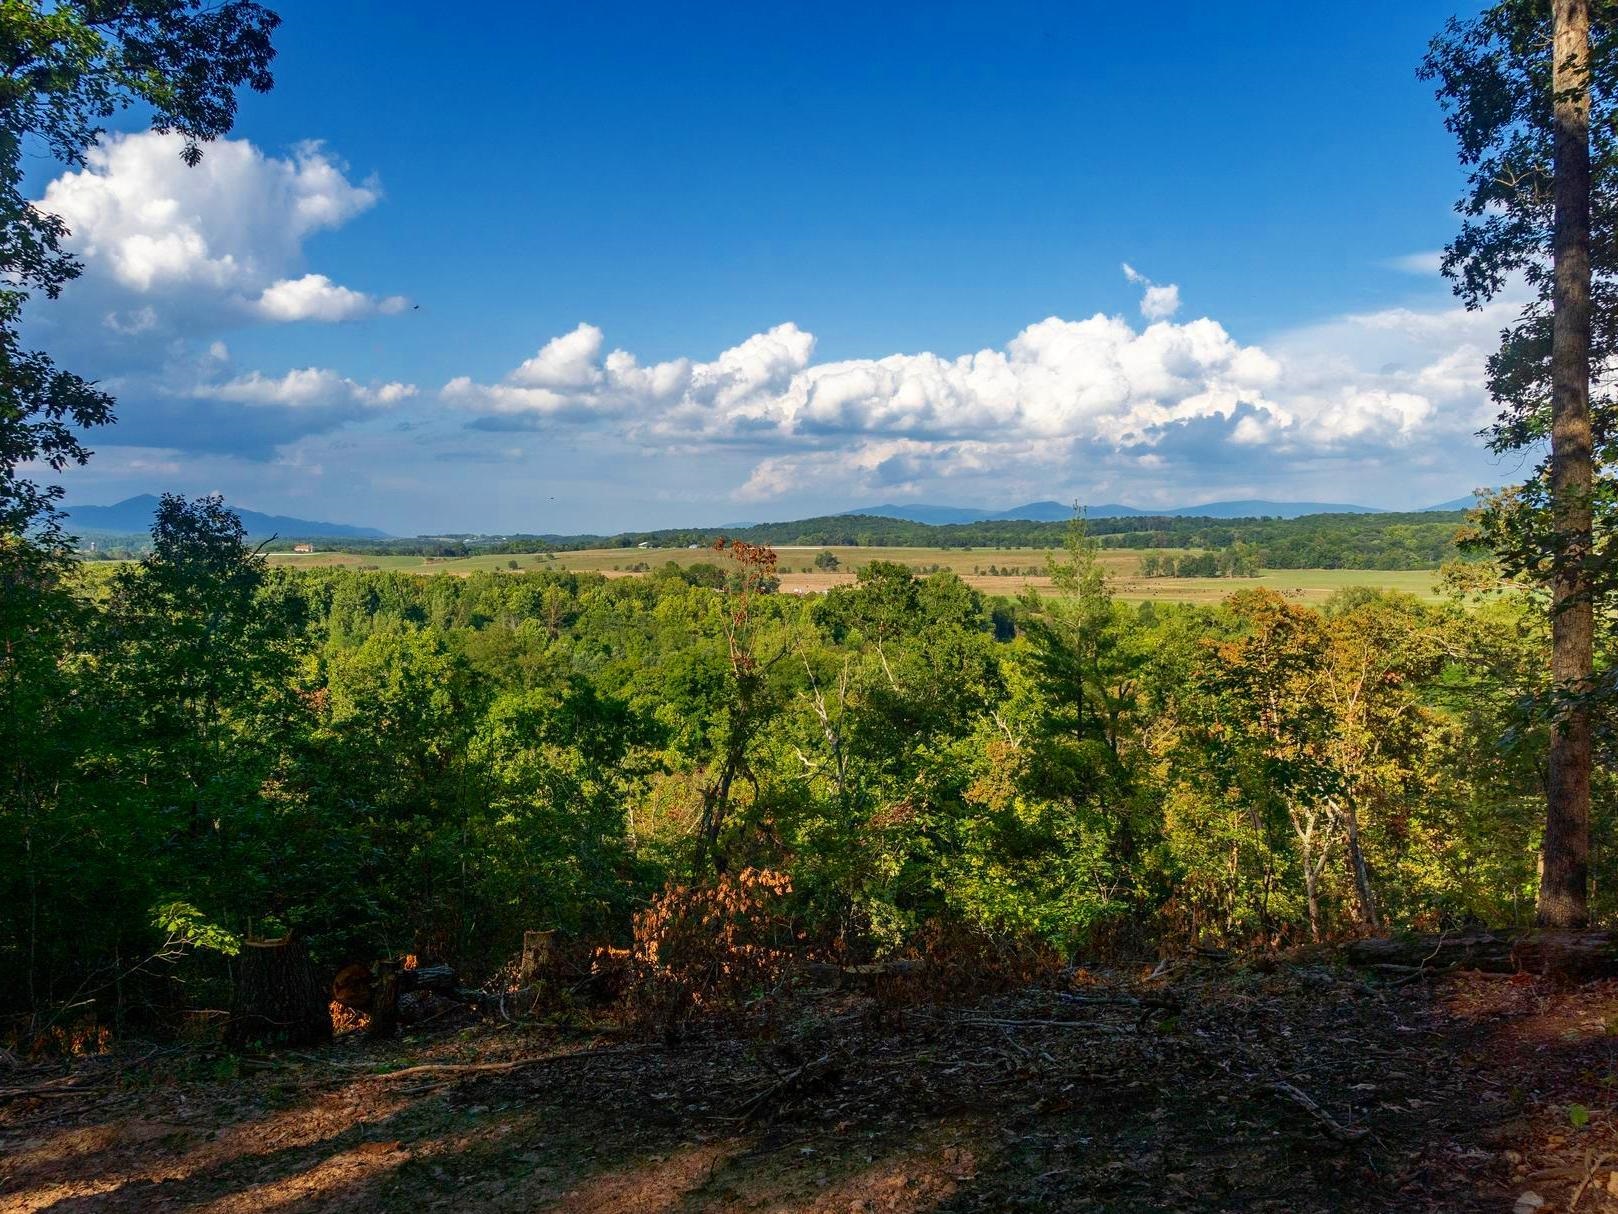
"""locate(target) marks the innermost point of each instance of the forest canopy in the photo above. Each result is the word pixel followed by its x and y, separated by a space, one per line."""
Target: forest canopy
pixel 385 763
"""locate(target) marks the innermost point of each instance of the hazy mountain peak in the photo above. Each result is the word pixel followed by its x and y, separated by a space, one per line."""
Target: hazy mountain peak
pixel 133 516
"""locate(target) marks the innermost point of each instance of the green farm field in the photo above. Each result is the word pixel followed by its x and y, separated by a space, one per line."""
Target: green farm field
pixel 1004 571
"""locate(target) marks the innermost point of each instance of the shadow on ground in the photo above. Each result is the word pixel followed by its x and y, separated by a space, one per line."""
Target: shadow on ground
pixel 1458 1096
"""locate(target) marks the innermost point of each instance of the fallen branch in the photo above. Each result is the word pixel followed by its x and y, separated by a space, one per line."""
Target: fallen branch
pixel 1591 954
pixel 1165 1002
pixel 463 1068
pixel 57 1113
pixel 96 1074
pixel 49 1089
pixel 806 1073
pixel 1342 1133
pixel 452 1069
pixel 1094 1026
pixel 861 977
pixel 1592 1167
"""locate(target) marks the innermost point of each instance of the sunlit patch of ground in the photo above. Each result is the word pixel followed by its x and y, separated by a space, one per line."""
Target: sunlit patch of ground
pixel 1459 1096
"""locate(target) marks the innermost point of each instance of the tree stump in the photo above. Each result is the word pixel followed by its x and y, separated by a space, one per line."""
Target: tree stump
pixel 384 1008
pixel 277 1000
pixel 352 987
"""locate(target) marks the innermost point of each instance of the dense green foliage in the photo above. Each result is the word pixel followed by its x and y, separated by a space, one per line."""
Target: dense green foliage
pixel 69 65
pixel 384 761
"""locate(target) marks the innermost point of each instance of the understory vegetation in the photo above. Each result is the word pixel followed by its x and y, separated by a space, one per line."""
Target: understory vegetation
pixel 200 748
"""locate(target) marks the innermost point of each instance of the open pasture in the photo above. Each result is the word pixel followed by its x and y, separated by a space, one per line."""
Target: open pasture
pixel 1000 571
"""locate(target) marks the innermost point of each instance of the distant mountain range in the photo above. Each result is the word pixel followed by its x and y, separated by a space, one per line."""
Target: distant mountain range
pixel 1460 503
pixel 133 516
pixel 1056 511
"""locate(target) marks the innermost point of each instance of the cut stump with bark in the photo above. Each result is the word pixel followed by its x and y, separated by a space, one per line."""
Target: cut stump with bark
pixel 278 1000
pixel 1570 954
pixel 384 999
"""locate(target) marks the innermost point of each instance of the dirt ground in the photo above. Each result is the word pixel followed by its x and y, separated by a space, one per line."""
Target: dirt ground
pixel 1306 1088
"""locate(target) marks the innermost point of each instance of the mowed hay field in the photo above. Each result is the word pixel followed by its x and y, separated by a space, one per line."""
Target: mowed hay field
pixel 1013 569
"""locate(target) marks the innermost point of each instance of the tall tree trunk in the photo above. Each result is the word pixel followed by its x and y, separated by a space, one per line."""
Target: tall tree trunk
pixel 1356 861
pixel 1311 889
pixel 1306 825
pixel 1563 900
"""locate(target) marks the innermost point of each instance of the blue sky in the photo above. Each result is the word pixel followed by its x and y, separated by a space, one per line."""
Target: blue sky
pixel 554 268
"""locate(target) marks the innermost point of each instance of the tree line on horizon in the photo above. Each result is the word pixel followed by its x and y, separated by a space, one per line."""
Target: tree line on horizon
pixel 1324 541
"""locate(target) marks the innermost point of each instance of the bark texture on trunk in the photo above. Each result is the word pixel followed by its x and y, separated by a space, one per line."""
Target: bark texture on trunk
pixel 1563 897
pixel 278 1001
pixel 1363 896
pixel 384 999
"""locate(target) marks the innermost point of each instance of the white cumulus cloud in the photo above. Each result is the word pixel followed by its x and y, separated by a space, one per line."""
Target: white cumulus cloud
pixel 180 250
pixel 316 297
pixel 570 380
pixel 1092 379
pixel 309 387
pixel 1062 401
pixel 176 256
pixel 1159 301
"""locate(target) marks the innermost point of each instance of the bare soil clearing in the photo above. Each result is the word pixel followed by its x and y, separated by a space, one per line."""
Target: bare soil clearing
pixel 1304 1089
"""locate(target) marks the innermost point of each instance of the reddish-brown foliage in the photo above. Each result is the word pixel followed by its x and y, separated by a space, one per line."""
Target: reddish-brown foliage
pixel 722 949
pixel 956 963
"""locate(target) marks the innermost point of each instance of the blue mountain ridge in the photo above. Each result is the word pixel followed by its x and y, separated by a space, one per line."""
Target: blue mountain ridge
pixel 133 516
